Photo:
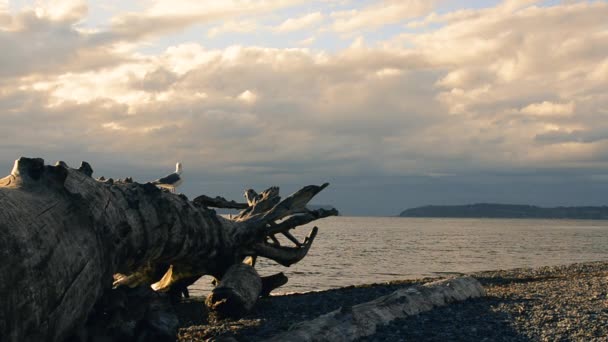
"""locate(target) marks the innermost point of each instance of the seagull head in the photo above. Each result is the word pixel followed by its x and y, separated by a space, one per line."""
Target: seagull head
pixel 178 168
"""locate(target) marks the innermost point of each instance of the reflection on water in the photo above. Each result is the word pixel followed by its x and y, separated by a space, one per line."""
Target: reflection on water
pixel 359 250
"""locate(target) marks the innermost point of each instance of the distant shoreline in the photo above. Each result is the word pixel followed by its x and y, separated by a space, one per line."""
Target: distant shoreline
pixel 492 210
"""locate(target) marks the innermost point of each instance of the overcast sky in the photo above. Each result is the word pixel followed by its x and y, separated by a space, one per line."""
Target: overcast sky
pixel 396 103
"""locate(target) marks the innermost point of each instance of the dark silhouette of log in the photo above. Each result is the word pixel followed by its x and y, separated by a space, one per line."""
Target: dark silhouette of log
pixel 66 238
pixel 238 290
pixel 130 314
pixel 269 283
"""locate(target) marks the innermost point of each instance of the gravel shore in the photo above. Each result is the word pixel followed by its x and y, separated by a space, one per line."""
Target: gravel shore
pixel 558 303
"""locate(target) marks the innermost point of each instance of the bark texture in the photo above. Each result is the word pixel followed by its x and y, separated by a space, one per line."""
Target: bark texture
pixel 350 323
pixel 238 290
pixel 65 238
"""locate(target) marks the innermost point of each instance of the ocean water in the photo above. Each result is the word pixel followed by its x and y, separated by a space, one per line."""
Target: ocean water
pixel 363 250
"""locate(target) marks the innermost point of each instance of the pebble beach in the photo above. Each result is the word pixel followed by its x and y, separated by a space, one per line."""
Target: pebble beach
pixel 557 303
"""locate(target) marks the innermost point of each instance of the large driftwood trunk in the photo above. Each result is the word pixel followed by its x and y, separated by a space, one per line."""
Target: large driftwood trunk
pixel 65 238
pixel 351 323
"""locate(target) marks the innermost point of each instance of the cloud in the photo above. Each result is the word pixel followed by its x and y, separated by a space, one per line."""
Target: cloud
pixel 4 8
pixel 243 26
pixel 166 16
pixel 385 13
pixel 300 23
pixel 308 41
pixel 63 10
pixel 113 126
pixel 156 80
pixel 497 90
pixel 558 137
pixel 240 120
pixel 549 108
pixel 47 41
pixel 248 97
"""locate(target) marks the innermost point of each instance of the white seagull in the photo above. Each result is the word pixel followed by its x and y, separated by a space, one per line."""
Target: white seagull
pixel 171 181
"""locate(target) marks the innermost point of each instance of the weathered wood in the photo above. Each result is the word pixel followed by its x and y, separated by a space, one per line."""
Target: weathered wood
pixel 218 202
pixel 270 283
pixel 131 314
pixel 350 323
pixel 302 219
pixel 64 235
pixel 259 203
pixel 237 292
pixel 284 255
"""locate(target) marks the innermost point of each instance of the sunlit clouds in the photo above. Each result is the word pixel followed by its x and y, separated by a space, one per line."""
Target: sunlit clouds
pixel 300 23
pixel 380 14
pixel 548 109
pixel 310 90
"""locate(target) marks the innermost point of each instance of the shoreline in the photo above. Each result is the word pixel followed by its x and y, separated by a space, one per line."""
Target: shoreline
pixel 566 302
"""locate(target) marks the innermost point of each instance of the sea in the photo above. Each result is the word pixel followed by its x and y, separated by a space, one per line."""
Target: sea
pixel 365 250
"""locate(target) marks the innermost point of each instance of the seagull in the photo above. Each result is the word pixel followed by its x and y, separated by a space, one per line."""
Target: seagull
pixel 171 181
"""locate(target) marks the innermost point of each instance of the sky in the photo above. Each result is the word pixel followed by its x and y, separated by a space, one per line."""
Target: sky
pixel 396 103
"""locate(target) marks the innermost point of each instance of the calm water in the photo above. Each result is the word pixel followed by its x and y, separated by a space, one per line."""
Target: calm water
pixel 359 250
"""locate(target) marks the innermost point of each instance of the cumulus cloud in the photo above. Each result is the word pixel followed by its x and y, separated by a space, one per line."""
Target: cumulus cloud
pixel 47 41
pixel 284 118
pixel 373 16
pixel 300 23
pixel 248 96
pixel 113 126
pixel 549 108
pixel 3 7
pixel 507 88
pixel 307 41
pixel 166 16
pixel 243 26
pixel 63 10
pixel 577 136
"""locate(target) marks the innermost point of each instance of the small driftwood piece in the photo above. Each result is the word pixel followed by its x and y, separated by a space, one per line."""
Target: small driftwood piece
pixel 269 283
pixel 238 291
pixel 350 323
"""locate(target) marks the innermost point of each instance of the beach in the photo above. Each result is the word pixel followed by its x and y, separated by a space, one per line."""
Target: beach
pixel 557 303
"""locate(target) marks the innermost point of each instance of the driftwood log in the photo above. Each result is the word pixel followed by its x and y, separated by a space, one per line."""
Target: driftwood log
pixel 351 323
pixel 239 289
pixel 66 238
